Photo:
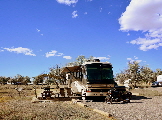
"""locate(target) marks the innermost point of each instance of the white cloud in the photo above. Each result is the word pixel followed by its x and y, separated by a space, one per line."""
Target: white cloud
pixel 145 16
pixel 67 57
pixel 67 2
pixel 100 9
pixel 129 58
pixel 109 56
pixel 138 61
pixel 135 57
pixel 128 34
pixel 132 60
pixel 74 14
pixel 147 44
pixel 25 51
pixel 1 50
pixel 142 15
pixel 53 53
pixel 59 54
pixel 102 58
pixel 85 13
pixel 37 30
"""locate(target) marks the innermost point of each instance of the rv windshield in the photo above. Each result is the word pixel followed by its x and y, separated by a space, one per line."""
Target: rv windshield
pixel 100 72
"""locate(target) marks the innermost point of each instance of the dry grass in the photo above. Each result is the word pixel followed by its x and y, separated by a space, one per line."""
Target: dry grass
pixel 41 111
pixel 19 107
pixel 148 91
pixel 8 92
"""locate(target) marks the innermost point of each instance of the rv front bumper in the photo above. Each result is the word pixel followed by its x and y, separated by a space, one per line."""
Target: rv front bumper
pixel 94 94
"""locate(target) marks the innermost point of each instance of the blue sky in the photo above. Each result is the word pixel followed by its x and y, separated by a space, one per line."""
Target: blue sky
pixel 35 35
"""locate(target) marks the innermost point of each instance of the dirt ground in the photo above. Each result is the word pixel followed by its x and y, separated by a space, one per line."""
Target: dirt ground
pixel 16 105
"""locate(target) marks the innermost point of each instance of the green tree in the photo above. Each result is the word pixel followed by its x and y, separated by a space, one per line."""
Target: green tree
pixel 138 74
pixel 38 79
pixel 55 75
pixel 26 80
pixel 80 60
pixel 122 76
pixel 4 80
pixel 146 74
pixel 158 72
pixel 132 72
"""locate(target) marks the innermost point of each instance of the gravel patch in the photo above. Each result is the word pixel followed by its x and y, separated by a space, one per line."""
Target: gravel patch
pixel 141 108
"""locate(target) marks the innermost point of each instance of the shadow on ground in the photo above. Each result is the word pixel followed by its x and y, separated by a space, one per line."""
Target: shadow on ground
pixel 134 97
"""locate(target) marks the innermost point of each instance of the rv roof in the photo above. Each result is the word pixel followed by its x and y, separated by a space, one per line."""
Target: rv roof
pixel 97 62
pixel 71 69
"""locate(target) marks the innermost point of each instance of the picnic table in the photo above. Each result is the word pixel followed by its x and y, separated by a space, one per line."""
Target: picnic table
pixel 47 92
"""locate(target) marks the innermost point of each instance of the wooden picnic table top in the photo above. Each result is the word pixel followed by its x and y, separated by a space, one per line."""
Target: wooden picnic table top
pixel 47 91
